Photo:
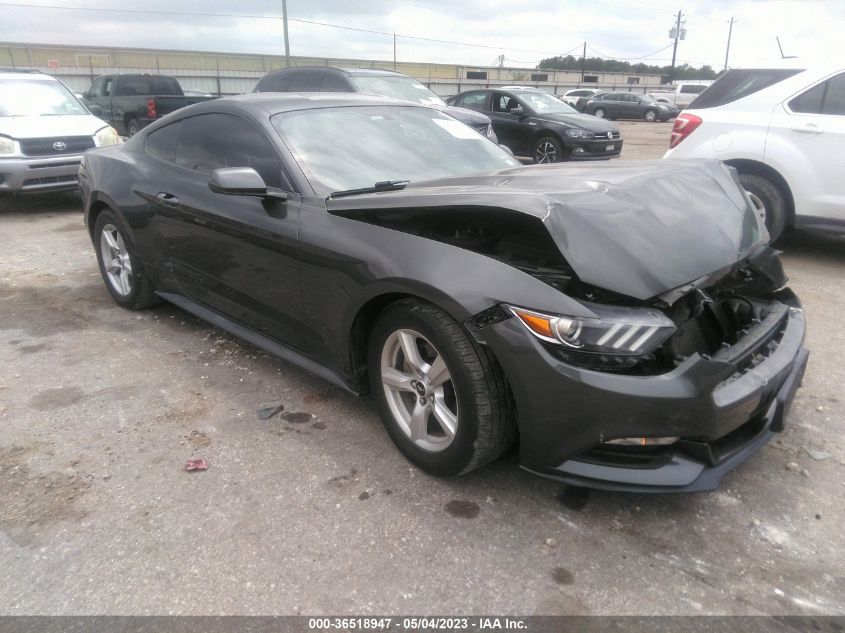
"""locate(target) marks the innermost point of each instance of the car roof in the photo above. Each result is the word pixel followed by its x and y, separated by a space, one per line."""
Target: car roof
pixel 14 73
pixel 271 103
pixel 334 70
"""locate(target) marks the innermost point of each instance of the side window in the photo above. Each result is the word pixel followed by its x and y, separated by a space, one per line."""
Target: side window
pixel 108 84
pixel 834 100
pixel 96 87
pixel 305 82
pixel 162 142
pixel 503 103
pixel 693 89
pixel 329 83
pixel 274 82
pixel 210 141
pixel 473 101
pixel 826 98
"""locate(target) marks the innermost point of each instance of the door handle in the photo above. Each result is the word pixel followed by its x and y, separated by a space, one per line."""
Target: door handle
pixel 810 128
pixel 167 199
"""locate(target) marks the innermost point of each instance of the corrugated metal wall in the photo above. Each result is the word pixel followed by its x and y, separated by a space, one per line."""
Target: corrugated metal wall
pixel 223 73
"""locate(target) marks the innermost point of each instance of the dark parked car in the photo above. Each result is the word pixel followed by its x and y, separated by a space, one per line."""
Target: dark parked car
pixel 131 102
pixel 626 105
pixel 536 124
pixel 374 81
pixel 628 321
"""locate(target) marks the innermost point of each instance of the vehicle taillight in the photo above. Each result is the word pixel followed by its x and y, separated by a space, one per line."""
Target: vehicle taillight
pixel 151 108
pixel 685 125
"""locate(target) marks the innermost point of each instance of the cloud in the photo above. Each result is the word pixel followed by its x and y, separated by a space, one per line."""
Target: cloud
pixel 524 32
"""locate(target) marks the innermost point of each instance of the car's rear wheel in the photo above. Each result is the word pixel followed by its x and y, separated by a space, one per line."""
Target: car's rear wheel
pixel 442 398
pixel 650 116
pixel 122 273
pixel 547 150
pixel 769 200
pixel 599 112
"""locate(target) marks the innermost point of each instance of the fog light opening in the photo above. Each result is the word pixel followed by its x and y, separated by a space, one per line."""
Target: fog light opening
pixel 644 441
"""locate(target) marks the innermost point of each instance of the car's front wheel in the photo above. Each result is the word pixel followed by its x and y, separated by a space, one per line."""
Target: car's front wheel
pixel 547 150
pixel 119 266
pixel 442 398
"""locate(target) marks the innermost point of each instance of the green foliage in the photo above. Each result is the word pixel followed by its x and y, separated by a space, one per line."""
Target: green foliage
pixel 597 64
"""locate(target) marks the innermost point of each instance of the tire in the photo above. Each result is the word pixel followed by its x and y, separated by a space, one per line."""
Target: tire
pixel 547 149
pixel 123 273
pixel 132 127
pixel 599 112
pixel 769 199
pixel 473 390
pixel 650 116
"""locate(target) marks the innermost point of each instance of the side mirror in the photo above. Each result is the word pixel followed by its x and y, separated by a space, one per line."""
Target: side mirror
pixel 242 181
pixel 517 110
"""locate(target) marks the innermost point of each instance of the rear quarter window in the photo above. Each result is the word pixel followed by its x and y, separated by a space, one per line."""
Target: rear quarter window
pixel 162 142
pixel 274 83
pixel 736 84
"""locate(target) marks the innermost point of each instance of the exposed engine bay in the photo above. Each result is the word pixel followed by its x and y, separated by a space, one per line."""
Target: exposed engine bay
pixel 710 314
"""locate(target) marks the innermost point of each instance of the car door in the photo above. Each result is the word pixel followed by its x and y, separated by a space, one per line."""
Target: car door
pixel 234 254
pixel 511 129
pixel 809 129
pixel 610 104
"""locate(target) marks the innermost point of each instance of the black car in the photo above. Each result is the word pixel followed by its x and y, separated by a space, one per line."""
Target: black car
pixel 628 322
pixel 627 105
pixel 536 124
pixel 131 102
pixel 374 81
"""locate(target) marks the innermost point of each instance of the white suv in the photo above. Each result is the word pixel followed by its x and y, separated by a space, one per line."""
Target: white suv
pixel 44 130
pixel 782 126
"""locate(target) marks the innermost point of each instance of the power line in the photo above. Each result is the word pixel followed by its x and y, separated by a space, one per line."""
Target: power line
pixel 273 17
pixel 600 54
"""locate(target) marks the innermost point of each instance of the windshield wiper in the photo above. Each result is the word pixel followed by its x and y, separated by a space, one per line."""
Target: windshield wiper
pixel 384 185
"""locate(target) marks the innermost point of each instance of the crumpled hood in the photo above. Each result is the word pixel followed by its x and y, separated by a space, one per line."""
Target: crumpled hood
pixel 639 228
pixel 25 127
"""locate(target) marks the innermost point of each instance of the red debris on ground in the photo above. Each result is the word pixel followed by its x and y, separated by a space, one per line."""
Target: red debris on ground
pixel 196 464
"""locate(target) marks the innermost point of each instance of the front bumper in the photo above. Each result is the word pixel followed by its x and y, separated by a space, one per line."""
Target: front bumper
pixel 723 411
pixel 39 173
pixel 590 149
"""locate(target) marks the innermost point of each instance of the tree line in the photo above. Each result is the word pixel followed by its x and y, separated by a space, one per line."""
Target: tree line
pixel 598 64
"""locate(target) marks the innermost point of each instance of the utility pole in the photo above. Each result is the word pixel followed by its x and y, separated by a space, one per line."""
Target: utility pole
pixel 677 33
pixel 394 51
pixel 780 48
pixel 728 49
pixel 287 42
pixel 583 64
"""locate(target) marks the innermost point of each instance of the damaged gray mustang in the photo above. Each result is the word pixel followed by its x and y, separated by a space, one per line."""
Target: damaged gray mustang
pixel 626 323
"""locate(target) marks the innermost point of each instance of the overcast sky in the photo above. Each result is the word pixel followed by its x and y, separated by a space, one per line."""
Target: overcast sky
pixel 523 30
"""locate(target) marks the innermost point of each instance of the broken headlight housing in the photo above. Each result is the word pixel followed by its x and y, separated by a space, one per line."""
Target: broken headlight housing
pixel 617 338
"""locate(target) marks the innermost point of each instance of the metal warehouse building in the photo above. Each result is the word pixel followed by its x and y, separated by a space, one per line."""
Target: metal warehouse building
pixel 228 73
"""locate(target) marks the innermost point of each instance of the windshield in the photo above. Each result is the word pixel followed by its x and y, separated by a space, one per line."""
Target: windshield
pixel 400 143
pixel 398 87
pixel 34 97
pixel 543 103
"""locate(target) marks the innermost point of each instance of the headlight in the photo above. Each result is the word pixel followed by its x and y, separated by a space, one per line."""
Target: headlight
pixel 615 339
pixel 7 145
pixel 577 133
pixel 106 136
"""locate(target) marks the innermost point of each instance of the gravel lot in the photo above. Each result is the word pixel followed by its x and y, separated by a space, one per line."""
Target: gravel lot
pixel 314 511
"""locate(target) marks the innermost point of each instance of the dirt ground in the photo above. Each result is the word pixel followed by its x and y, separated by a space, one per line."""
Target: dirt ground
pixel 314 511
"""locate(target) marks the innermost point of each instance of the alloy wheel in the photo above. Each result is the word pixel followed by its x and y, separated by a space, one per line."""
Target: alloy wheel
pixel 599 113
pixel 545 152
pixel 419 390
pixel 759 207
pixel 116 261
